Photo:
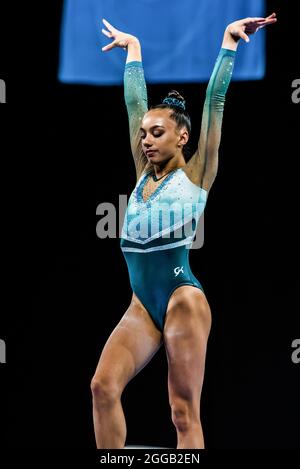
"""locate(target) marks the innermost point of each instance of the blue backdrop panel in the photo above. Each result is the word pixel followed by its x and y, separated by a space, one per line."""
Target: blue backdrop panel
pixel 180 39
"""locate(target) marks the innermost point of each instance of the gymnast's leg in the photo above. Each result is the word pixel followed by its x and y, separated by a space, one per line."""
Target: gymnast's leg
pixel 129 348
pixel 186 331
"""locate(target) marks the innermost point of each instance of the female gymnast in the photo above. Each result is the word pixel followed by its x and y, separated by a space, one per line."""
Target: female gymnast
pixel 168 304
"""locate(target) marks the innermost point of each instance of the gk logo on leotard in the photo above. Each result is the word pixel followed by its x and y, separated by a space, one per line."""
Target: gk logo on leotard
pixel 177 270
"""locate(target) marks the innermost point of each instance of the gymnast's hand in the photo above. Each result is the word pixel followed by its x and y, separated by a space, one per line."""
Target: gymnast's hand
pixel 120 39
pixel 241 29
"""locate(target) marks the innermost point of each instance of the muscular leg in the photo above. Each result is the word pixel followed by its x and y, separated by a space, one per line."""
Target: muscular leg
pixel 186 332
pixel 129 348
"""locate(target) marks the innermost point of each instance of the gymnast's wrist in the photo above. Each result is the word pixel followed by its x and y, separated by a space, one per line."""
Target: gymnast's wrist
pixel 134 52
pixel 229 41
pixel 133 41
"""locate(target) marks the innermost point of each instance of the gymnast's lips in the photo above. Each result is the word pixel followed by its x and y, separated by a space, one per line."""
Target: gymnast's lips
pixel 150 152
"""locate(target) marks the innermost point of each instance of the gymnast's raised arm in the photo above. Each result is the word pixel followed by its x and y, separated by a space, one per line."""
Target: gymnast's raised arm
pixel 202 167
pixel 135 90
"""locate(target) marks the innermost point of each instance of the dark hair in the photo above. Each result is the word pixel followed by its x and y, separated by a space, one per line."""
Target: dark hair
pixel 178 114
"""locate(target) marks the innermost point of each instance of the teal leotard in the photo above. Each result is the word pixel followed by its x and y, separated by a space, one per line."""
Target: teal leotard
pixel 158 232
pixel 156 238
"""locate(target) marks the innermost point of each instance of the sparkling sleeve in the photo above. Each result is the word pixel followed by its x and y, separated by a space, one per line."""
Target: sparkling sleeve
pixel 204 163
pixel 135 93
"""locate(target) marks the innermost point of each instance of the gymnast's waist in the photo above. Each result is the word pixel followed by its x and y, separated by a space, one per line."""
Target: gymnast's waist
pixel 157 244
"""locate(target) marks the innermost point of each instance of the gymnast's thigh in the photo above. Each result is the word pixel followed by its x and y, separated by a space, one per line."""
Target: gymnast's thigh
pixel 186 332
pixel 131 345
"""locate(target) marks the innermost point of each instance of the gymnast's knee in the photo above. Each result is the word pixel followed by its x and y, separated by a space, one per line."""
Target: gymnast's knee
pixel 105 391
pixel 182 416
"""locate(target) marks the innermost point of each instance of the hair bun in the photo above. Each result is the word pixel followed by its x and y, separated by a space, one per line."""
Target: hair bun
pixel 175 99
pixel 175 94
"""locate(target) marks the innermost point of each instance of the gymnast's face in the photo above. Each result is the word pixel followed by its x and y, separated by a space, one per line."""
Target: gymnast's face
pixel 161 139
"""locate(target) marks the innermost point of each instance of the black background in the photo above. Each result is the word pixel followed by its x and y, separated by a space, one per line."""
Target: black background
pixel 67 150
